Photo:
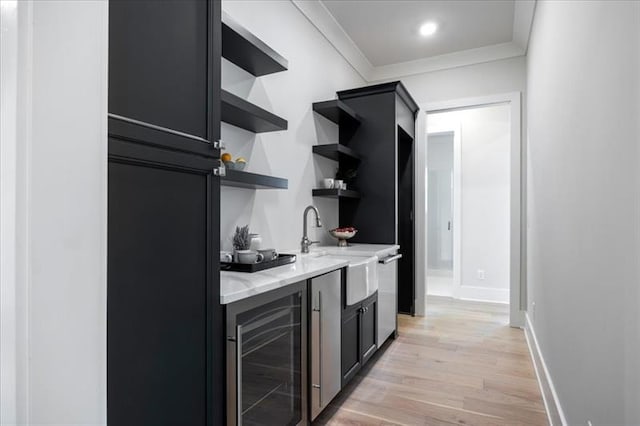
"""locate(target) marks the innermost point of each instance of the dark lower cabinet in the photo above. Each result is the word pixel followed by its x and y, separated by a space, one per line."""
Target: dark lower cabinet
pixel 161 303
pixel 350 341
pixel 359 336
pixel 369 333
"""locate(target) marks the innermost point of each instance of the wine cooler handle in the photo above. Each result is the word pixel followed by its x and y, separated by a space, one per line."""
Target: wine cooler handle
pixel 239 375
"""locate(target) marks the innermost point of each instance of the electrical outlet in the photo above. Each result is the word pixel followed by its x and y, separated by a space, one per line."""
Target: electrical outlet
pixel 481 274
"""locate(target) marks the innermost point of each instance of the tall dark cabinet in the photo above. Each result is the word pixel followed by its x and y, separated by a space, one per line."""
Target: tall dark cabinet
pixel 384 139
pixel 164 322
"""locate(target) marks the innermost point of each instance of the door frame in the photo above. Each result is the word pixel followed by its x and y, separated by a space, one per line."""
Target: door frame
pixel 456 195
pixel 517 290
pixel 10 186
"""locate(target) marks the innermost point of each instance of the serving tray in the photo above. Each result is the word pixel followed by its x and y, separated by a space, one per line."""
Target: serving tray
pixel 283 259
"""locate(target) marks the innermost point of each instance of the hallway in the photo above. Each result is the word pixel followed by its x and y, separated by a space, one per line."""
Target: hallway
pixel 461 365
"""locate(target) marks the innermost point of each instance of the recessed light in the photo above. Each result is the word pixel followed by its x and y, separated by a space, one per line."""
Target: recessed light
pixel 428 29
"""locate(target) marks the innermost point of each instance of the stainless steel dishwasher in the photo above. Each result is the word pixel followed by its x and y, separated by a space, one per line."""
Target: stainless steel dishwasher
pixel 387 296
pixel 325 340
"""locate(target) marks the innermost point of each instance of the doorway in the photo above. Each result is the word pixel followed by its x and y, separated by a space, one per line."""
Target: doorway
pixel 468 195
pixel 442 194
pixel 469 183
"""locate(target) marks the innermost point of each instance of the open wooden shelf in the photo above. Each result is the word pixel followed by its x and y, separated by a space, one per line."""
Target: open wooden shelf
pixel 240 179
pixel 336 111
pixel 336 151
pixel 335 193
pixel 247 51
pixel 238 112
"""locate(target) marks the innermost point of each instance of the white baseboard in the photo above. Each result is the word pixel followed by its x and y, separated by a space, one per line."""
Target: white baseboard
pixel 549 394
pixel 483 294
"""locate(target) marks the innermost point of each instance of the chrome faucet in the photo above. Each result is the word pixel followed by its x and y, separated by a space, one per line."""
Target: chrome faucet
pixel 306 242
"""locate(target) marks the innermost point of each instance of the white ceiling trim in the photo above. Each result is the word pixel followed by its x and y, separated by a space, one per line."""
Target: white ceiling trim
pixel 316 12
pixel 450 60
pixel 323 20
pixel 522 20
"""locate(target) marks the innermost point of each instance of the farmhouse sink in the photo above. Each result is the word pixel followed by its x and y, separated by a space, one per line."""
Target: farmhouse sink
pixel 362 278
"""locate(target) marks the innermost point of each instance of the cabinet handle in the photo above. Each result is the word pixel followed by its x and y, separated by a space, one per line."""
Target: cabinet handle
pixel 239 375
pixel 156 127
pixel 321 344
pixel 390 259
pixel 219 145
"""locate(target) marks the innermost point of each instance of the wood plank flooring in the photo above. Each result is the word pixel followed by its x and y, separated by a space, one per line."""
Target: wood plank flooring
pixel 462 364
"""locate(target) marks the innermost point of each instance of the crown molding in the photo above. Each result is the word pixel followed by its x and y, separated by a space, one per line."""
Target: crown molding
pixel 316 12
pixel 450 60
pixel 522 21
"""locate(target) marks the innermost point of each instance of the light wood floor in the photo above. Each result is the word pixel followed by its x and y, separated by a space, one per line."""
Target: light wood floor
pixel 462 364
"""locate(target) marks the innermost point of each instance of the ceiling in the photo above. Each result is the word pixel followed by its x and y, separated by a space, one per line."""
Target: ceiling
pixel 387 31
pixel 381 39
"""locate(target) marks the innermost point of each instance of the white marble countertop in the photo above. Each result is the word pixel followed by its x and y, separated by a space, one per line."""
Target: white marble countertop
pixel 380 250
pixel 236 286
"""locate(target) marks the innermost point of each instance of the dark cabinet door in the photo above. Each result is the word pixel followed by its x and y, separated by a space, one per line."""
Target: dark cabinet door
pixel 350 343
pixel 162 292
pixel 159 63
pixel 359 336
pixel 369 328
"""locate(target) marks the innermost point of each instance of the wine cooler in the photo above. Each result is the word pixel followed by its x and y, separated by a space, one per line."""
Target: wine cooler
pixel 266 358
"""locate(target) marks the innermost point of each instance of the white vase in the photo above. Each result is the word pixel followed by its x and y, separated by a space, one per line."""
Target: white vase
pixel 256 242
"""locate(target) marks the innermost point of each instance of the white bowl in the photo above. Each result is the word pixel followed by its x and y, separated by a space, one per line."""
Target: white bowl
pixel 342 236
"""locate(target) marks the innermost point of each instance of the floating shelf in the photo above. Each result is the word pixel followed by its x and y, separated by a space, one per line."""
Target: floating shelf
pixel 336 151
pixel 336 111
pixel 243 114
pixel 247 51
pixel 335 193
pixel 239 179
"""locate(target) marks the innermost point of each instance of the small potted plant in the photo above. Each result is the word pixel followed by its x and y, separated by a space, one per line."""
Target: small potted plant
pixel 241 240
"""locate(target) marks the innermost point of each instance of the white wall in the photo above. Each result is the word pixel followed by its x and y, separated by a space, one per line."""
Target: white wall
pixel 485 135
pixel 489 78
pixel 316 71
pixel 583 210
pixel 61 209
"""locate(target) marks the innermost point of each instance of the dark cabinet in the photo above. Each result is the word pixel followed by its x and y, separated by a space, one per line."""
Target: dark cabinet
pixel 350 343
pixel 159 70
pixel 359 336
pixel 160 298
pixel 385 178
pixel 165 359
pixel 369 330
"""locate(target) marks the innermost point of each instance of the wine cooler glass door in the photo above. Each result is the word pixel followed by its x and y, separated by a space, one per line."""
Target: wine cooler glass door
pixel 269 362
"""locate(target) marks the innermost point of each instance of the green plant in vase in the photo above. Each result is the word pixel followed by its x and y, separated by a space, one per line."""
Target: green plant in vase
pixel 241 240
